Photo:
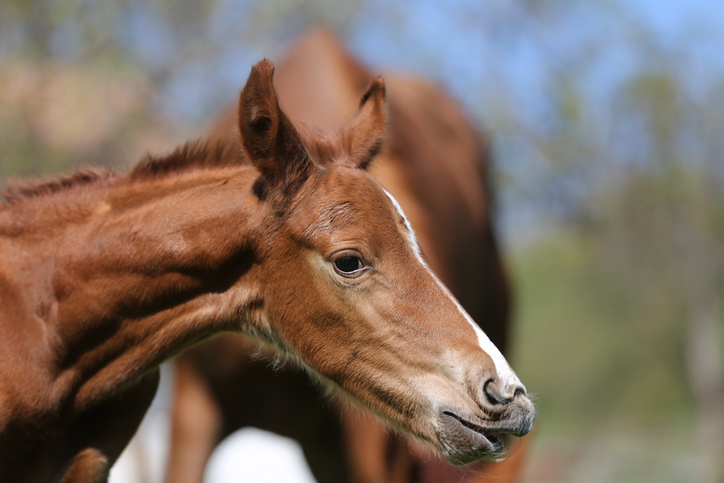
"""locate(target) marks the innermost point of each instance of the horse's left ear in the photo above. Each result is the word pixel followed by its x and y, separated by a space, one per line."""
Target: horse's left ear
pixel 364 136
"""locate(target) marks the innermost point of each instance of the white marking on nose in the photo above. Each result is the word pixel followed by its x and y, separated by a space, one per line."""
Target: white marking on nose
pixel 505 373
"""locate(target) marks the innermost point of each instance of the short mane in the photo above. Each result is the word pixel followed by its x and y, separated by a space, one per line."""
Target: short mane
pixel 192 155
pixel 19 190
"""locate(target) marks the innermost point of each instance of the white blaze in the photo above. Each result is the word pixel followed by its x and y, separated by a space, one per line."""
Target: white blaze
pixel 505 373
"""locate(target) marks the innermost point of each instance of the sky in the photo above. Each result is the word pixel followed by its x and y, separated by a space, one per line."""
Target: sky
pixel 500 64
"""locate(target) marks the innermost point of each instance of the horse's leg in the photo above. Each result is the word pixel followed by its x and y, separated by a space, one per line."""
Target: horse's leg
pixel 374 454
pixel 402 465
pixel 90 465
pixel 195 424
pixel 100 435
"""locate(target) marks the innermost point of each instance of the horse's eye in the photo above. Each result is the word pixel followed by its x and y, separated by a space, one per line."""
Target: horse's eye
pixel 348 265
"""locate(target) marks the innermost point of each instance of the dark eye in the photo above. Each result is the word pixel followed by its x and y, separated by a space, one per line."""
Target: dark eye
pixel 349 265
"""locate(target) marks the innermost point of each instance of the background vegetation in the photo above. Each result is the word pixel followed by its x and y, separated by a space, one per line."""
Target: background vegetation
pixel 608 129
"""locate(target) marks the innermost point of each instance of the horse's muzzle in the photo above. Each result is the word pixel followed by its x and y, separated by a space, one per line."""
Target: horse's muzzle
pixel 466 437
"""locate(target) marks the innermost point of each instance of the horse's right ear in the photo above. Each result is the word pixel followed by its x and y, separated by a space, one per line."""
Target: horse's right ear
pixel 270 141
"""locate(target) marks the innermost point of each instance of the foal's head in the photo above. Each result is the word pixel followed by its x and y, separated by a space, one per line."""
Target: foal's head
pixel 347 290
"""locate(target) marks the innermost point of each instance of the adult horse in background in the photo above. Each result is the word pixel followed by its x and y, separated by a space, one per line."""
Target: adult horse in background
pixel 436 166
pixel 285 237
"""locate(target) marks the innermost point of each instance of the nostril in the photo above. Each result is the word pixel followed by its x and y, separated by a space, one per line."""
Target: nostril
pixel 496 392
pixel 493 393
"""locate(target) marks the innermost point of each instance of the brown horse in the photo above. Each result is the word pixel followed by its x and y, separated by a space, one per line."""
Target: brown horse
pixel 103 277
pixel 436 167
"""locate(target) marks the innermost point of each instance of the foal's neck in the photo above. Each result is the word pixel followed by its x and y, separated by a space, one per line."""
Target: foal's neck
pixel 123 278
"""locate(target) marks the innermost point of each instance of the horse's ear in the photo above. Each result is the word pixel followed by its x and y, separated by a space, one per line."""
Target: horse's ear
pixel 269 139
pixel 364 136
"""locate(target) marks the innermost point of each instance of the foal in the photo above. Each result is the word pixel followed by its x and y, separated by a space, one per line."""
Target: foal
pixel 103 277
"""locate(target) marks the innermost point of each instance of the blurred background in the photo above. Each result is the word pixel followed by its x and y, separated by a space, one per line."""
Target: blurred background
pixel 607 126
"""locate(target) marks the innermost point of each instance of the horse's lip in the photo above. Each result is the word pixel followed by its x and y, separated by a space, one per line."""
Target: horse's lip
pixel 467 441
pixel 494 437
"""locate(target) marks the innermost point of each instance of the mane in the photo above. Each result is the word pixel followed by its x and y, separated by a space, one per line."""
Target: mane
pixel 17 191
pixel 195 155
pixel 190 156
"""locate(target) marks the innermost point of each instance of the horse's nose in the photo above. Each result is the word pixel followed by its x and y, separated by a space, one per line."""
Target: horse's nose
pixel 503 389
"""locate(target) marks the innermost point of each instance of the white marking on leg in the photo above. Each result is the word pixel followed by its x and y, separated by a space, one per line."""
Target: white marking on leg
pixel 505 373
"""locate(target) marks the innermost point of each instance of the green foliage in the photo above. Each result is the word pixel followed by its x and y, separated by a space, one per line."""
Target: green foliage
pixel 582 347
